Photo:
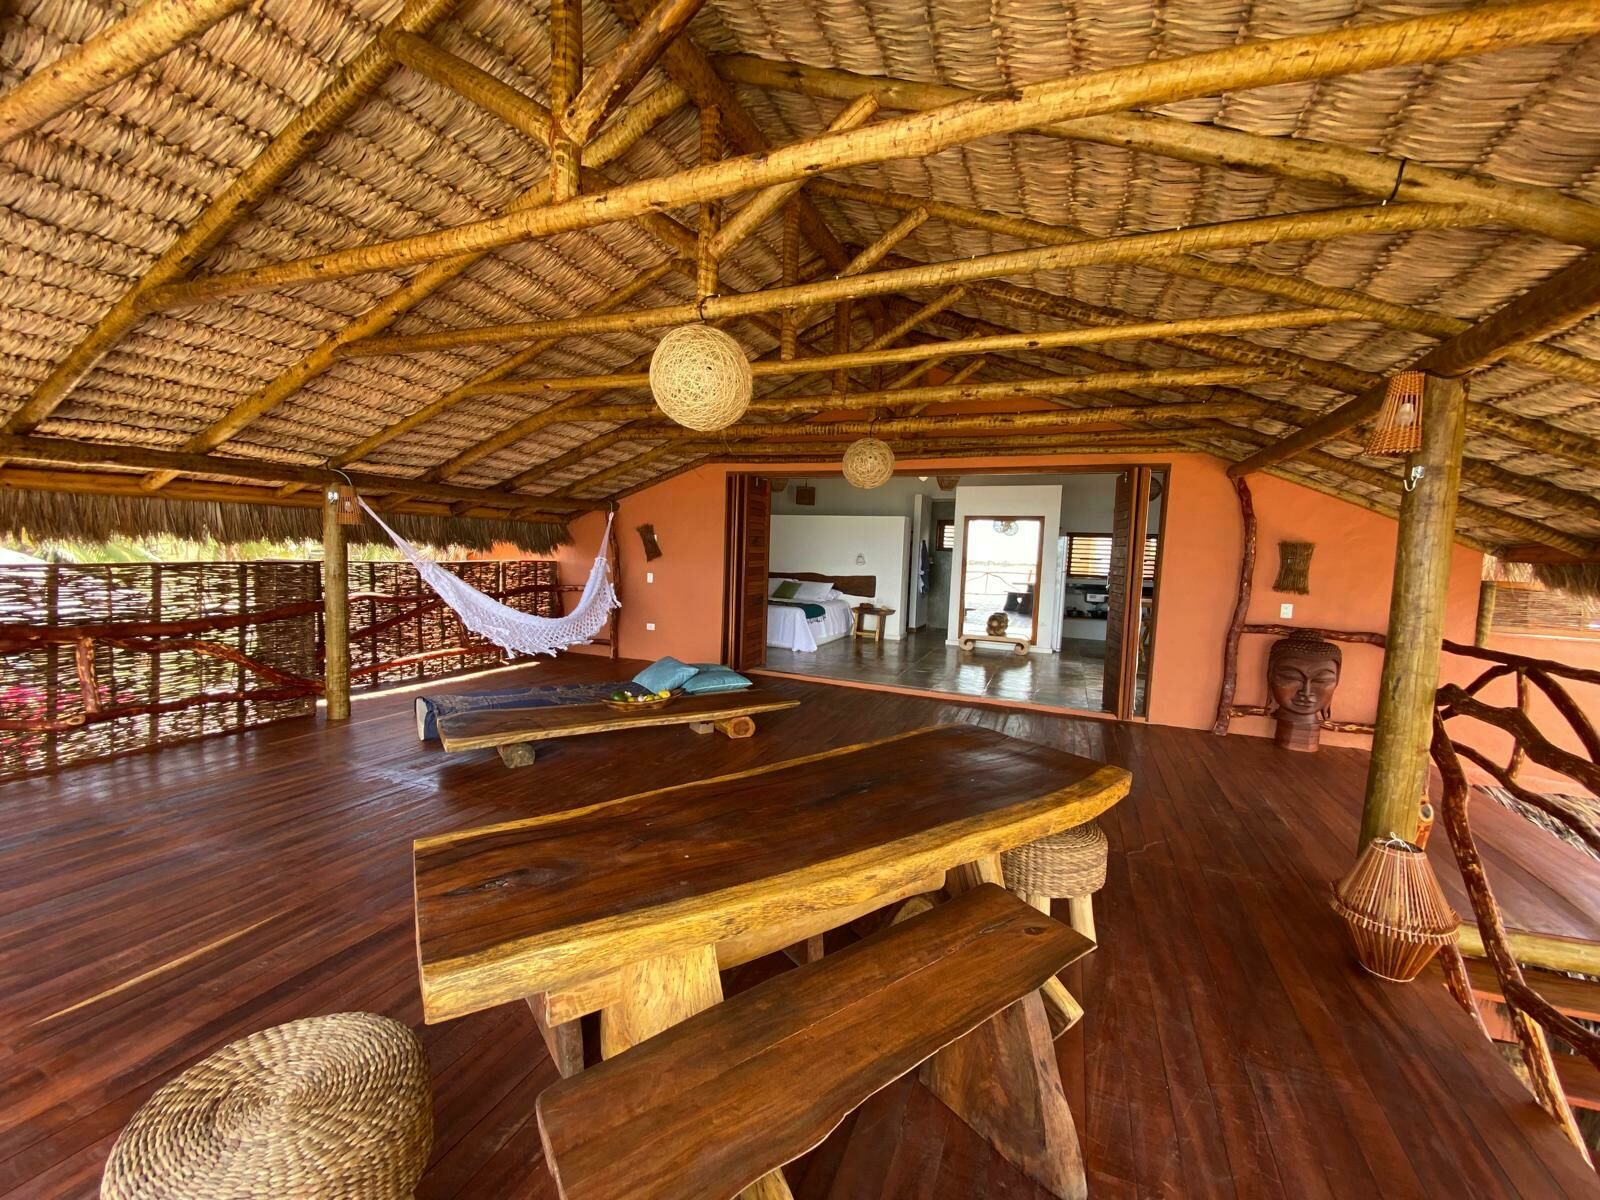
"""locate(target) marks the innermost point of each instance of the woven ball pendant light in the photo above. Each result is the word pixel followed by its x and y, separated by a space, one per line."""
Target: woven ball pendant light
pixel 700 378
pixel 868 463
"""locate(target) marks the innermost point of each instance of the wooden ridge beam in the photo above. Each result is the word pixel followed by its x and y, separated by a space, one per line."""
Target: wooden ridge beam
pixel 1536 209
pixel 356 81
pixel 110 483
pixel 123 49
pixel 566 82
pixel 473 83
pixel 1319 225
pixel 609 83
pixel 63 451
pixel 1255 64
pixel 1285 287
pixel 1567 296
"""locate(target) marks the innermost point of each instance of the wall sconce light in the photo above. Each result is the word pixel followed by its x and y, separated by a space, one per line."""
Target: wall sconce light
pixel 861 560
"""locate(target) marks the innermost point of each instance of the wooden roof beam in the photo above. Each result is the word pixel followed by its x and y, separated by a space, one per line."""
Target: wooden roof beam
pixel 123 49
pixel 609 83
pixel 1286 287
pixel 1255 64
pixel 1536 209
pixel 1568 296
pixel 67 452
pixel 566 82
pixel 1322 224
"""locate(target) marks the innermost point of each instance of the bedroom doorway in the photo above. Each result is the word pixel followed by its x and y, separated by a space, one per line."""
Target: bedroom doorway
pixel 1037 588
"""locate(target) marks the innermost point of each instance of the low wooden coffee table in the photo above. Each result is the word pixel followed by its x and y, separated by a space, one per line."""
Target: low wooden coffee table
pixel 1019 646
pixel 512 731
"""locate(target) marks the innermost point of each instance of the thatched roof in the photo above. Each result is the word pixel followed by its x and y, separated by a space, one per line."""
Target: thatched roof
pixel 91 199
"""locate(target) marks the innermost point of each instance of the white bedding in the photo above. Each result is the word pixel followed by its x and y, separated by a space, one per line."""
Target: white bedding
pixel 788 629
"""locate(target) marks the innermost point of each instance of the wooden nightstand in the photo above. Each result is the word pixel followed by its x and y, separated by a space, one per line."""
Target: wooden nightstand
pixel 863 611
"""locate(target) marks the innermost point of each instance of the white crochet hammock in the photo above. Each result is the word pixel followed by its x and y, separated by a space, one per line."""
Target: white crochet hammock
pixel 506 627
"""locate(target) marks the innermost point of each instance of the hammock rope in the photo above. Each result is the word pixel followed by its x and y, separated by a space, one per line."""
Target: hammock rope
pixel 510 628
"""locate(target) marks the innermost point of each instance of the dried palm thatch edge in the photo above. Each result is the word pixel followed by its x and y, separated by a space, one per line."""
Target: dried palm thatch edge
pixel 1579 580
pixel 63 516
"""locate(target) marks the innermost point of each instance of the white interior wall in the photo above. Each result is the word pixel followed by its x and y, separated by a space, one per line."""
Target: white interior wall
pixel 830 545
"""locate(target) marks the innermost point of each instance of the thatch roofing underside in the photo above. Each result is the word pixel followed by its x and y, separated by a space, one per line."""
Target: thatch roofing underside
pixel 91 199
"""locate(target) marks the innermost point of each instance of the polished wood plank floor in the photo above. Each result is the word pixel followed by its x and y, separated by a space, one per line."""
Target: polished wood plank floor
pixel 157 907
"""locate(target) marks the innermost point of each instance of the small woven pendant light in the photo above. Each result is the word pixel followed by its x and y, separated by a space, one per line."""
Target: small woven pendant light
pixel 1395 909
pixel 868 463
pixel 343 497
pixel 1398 429
pixel 700 378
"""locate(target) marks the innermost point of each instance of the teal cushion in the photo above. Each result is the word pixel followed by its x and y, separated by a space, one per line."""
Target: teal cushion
pixel 716 679
pixel 664 675
pixel 786 590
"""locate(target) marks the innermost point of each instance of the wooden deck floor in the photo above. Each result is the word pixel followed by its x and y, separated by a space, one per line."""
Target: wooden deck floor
pixel 155 908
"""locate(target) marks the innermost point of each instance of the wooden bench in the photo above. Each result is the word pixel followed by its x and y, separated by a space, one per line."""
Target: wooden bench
pixel 512 731
pixel 709 1106
pixel 1019 646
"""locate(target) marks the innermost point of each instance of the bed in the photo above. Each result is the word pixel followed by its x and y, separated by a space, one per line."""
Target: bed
pixel 822 615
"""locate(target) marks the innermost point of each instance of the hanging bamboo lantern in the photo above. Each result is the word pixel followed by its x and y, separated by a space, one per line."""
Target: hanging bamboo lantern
pixel 1398 429
pixel 947 483
pixel 342 496
pixel 868 463
pixel 700 378
pixel 1396 911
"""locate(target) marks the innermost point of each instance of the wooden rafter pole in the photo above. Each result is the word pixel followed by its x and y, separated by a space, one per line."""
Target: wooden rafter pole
pixel 335 611
pixel 1537 209
pixel 31 448
pixel 618 138
pixel 609 83
pixel 342 96
pixel 1565 298
pixel 1397 778
pixel 566 82
pixel 1255 64
pixel 705 262
pixel 767 201
pixel 1285 287
pixel 788 336
pixel 952 348
pixel 1319 225
pixel 131 44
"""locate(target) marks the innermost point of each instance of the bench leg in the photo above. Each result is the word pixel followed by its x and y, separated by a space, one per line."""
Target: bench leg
pixel 808 951
pixel 1061 1006
pixel 1002 1080
pixel 519 754
pixel 734 727
pixel 1080 915
pixel 702 727
pixel 658 993
pixel 564 1041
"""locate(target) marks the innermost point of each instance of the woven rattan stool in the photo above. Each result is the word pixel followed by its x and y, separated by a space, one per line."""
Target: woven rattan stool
pixel 1071 865
pixel 334 1107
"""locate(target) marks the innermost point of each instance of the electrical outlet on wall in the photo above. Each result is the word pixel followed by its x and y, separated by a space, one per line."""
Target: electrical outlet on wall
pixel 650 626
pixel 1285 611
pixel 649 576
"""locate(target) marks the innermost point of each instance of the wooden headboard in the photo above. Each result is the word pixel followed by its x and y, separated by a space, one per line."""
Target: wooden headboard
pixel 850 585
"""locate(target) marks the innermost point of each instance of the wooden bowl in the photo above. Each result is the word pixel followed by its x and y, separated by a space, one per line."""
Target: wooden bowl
pixel 642 705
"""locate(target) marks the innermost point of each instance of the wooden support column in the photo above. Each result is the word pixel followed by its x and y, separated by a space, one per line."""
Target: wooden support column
pixel 335 612
pixel 1488 592
pixel 1399 771
pixel 566 81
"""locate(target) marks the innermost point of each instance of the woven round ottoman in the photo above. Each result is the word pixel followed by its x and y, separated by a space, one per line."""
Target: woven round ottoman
pixel 1069 865
pixel 335 1107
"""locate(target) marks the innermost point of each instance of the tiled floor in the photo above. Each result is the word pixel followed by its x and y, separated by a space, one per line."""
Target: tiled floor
pixel 1072 679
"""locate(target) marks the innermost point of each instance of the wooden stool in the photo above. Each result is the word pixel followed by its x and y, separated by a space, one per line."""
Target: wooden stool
pixel 335 1107
pixel 1070 864
pixel 863 611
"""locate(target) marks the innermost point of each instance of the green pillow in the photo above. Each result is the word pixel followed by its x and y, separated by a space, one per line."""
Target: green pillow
pixel 786 590
pixel 664 675
pixel 716 679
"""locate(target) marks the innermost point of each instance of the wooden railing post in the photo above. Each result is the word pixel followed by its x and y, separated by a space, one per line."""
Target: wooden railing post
pixel 1398 773
pixel 335 612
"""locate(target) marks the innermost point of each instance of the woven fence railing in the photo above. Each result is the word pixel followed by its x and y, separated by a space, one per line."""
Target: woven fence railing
pixel 105 659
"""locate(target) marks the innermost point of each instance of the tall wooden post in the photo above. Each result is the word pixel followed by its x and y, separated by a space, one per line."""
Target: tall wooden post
pixel 1488 593
pixel 335 612
pixel 1399 770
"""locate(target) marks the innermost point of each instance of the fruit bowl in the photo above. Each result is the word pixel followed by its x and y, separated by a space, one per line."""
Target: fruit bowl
pixel 640 703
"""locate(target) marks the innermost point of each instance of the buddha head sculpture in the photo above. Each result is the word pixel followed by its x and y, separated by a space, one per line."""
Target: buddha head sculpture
pixel 1302 673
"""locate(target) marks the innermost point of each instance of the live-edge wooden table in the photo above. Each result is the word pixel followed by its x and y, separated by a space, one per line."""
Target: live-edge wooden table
pixel 630 907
